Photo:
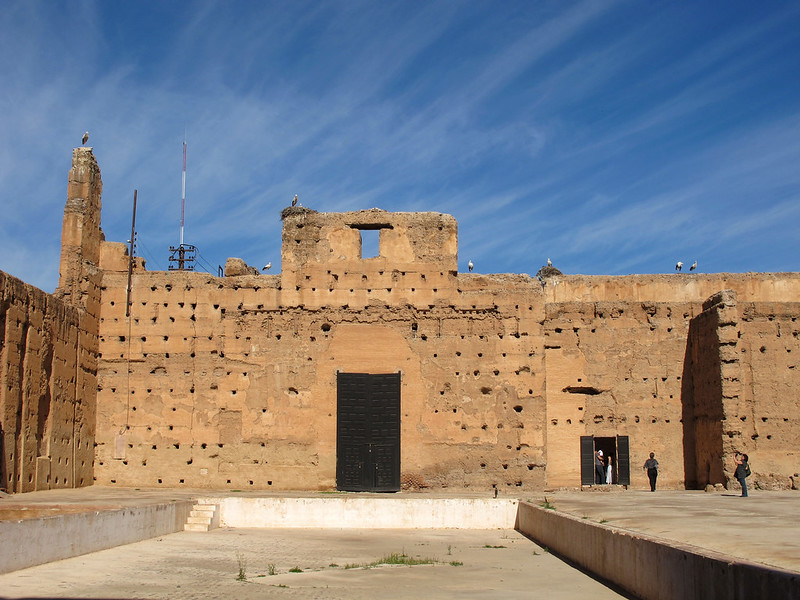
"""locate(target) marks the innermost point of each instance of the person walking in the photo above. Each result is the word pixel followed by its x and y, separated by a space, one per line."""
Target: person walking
pixel 651 466
pixel 742 471
pixel 599 468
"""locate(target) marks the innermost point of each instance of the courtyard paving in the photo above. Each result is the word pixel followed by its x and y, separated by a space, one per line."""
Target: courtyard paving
pixel 334 563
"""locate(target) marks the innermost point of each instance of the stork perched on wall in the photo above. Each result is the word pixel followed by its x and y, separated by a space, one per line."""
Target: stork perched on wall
pixel 470 266
pixel 694 266
pixel 294 200
pixel 85 138
pixel 678 265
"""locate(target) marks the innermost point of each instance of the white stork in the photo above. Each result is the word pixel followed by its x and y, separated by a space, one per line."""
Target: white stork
pixel 267 266
pixel 470 266
pixel 678 265
pixel 694 266
pixel 85 138
pixel 294 200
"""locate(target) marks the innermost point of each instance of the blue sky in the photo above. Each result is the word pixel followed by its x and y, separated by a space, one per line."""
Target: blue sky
pixel 614 137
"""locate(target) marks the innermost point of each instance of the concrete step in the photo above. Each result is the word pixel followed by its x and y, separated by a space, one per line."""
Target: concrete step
pixel 202 517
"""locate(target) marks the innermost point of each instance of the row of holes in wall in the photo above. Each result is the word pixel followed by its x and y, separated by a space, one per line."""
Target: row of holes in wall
pixel 473 309
pixel 182 481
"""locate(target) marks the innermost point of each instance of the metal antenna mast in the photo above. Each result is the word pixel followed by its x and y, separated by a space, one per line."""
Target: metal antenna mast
pixel 183 185
pixel 184 254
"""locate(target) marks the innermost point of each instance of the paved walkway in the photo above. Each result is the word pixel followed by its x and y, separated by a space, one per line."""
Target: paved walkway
pixel 485 563
pixel 762 528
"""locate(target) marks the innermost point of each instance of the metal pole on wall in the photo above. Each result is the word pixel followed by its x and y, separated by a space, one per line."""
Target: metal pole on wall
pixel 130 257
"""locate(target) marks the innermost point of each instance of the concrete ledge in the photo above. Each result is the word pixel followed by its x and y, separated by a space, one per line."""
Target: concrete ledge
pixel 367 513
pixel 650 568
pixel 30 542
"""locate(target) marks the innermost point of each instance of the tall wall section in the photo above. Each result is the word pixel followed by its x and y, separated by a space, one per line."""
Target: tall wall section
pixel 750 405
pixel 231 382
pixel 48 353
pixel 46 409
pixel 649 358
pixel 616 368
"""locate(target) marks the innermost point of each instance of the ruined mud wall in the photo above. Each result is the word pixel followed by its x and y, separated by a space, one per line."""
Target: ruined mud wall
pixel 745 380
pixel 231 383
pixel 650 358
pixel 713 372
pixel 47 386
pixel 616 368
pixel 759 346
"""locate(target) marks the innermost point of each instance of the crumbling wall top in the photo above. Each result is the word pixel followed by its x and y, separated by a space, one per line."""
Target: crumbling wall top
pixel 406 239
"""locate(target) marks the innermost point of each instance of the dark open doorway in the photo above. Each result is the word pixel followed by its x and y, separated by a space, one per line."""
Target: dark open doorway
pixel 368 432
pixel 615 451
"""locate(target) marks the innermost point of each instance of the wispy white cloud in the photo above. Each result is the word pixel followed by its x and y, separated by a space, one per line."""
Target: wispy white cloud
pixel 602 134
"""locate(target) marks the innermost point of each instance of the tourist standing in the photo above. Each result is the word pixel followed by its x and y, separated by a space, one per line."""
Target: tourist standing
pixel 742 471
pixel 651 466
pixel 609 471
pixel 599 467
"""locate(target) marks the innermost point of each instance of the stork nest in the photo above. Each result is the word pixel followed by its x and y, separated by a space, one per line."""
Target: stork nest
pixel 291 211
pixel 546 272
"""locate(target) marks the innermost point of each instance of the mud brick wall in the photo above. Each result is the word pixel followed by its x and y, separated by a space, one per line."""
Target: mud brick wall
pixel 47 387
pixel 768 424
pixel 714 371
pixel 743 368
pixel 231 382
pixel 616 368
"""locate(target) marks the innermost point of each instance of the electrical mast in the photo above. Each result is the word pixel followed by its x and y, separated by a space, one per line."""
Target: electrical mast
pixel 184 254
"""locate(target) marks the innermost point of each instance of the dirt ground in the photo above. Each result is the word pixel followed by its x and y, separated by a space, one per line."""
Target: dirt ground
pixel 312 563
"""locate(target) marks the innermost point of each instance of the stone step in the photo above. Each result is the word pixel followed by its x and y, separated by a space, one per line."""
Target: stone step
pixel 202 517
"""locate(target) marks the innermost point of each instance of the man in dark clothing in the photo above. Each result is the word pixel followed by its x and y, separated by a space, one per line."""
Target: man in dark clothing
pixel 742 472
pixel 651 466
pixel 599 468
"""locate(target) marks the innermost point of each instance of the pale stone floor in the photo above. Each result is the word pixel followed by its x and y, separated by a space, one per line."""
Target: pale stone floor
pixel 763 528
pixel 495 564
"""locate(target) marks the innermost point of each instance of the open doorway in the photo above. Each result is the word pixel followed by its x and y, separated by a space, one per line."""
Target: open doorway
pixel 616 453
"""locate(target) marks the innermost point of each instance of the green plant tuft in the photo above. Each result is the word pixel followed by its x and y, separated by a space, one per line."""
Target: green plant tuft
pixel 242 576
pixel 546 504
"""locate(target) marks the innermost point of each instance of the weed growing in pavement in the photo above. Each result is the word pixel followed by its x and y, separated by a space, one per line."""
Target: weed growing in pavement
pixel 295 570
pixel 603 521
pixel 449 550
pixel 271 570
pixel 456 563
pixel 395 558
pixel 490 546
pixel 402 559
pixel 547 504
pixel 242 576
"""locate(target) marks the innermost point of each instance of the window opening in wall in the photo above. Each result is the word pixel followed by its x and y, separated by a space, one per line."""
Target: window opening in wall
pixel 370 243
pixel 370 239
